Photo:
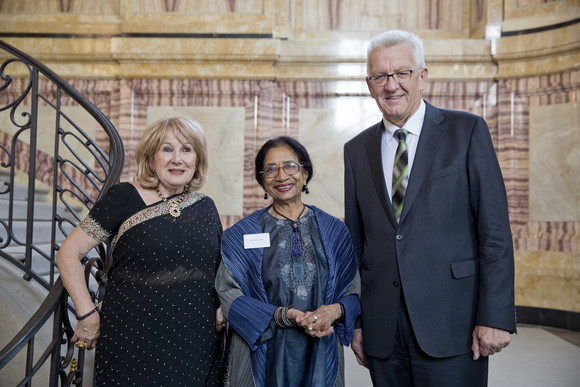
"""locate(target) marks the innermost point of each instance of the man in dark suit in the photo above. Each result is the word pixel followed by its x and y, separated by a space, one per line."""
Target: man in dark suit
pixel 436 261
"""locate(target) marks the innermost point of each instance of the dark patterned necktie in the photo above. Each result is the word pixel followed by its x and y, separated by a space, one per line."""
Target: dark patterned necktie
pixel 400 173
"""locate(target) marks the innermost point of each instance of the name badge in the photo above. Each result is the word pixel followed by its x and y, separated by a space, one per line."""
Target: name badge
pixel 254 241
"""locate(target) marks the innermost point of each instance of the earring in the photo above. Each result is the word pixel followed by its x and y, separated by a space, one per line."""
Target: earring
pixel 266 196
pixel 305 190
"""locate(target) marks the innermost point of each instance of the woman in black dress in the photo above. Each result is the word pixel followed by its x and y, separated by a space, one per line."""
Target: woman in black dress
pixel 159 319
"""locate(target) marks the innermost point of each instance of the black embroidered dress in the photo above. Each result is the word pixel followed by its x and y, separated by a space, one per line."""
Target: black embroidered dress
pixel 158 313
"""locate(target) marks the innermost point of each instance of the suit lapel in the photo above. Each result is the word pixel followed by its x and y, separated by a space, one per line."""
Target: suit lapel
pixel 429 142
pixel 376 167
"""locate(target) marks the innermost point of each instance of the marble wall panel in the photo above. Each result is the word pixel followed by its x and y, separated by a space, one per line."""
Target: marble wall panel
pixel 529 109
pixel 554 161
pixel 531 3
pixel 529 14
pixel 548 280
pixel 481 22
pixel 515 100
pixel 364 15
pixel 447 16
pixel 324 132
pixel 198 6
pixel 373 15
pixel 478 11
pixel 47 7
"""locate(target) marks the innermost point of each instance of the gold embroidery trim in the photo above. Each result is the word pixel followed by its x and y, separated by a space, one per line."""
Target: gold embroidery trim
pixel 94 229
pixel 153 212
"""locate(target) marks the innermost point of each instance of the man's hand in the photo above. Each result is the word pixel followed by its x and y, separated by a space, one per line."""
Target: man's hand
pixel 487 341
pixel 358 348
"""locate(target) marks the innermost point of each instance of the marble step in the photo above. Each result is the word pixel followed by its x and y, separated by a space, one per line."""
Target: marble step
pixel 21 191
pixel 41 232
pixel 42 210
pixel 39 263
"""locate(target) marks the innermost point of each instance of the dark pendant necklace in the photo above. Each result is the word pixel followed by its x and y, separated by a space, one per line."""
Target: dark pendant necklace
pixel 296 248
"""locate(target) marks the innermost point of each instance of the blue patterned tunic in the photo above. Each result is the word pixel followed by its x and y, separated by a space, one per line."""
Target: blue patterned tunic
pixel 263 279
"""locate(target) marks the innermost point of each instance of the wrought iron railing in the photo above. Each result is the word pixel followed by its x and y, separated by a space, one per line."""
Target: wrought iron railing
pixel 52 170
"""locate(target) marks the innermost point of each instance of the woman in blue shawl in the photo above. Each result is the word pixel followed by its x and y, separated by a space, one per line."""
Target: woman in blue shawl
pixel 289 282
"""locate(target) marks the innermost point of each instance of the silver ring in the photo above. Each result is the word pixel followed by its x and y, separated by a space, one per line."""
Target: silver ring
pixel 309 328
pixel 314 317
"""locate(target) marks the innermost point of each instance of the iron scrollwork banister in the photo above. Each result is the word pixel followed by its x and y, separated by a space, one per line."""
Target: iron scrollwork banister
pixel 116 143
pixel 68 192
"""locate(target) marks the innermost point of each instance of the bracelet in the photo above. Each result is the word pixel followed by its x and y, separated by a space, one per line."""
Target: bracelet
pixel 281 317
pixel 278 317
pixel 285 318
pixel 84 316
pixel 342 311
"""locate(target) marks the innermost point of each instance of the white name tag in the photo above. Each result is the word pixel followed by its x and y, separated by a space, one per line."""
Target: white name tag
pixel 254 241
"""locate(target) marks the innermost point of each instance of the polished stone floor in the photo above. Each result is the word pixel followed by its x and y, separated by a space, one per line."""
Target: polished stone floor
pixel 536 357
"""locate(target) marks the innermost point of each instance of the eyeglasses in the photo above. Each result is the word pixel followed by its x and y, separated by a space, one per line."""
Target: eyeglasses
pixel 399 77
pixel 289 168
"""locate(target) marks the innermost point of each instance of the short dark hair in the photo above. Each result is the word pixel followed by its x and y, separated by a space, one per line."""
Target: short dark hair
pixel 299 149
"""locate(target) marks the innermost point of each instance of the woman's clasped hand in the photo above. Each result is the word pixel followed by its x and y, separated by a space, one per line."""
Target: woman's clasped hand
pixel 318 323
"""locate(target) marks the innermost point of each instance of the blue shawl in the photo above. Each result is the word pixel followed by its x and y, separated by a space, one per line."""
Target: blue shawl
pixel 251 313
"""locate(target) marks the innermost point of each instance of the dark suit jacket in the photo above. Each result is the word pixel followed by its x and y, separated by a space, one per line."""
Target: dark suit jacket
pixel 451 256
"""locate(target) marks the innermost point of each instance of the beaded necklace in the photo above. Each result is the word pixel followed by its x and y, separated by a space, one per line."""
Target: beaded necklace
pixel 173 204
pixel 296 248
